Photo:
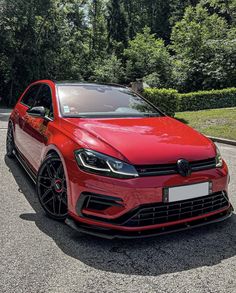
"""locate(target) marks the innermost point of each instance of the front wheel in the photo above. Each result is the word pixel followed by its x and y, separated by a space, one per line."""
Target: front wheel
pixel 51 188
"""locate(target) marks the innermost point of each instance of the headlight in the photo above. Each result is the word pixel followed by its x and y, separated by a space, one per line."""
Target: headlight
pixel 98 163
pixel 219 160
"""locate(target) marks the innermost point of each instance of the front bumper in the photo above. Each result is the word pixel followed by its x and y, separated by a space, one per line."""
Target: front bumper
pixel 114 233
pixel 124 197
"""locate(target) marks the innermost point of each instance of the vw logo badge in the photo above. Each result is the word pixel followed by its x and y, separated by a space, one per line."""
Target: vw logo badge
pixel 183 167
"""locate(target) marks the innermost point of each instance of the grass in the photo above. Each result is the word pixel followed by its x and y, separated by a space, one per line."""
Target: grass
pixel 213 122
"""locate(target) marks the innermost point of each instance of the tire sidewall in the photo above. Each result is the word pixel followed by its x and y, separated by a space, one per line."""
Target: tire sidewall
pixel 10 152
pixel 44 163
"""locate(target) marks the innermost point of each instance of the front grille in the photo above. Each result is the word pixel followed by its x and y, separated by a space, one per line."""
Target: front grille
pixel 167 169
pixel 168 212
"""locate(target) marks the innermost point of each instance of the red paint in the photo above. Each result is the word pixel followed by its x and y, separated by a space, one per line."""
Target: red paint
pixel 144 141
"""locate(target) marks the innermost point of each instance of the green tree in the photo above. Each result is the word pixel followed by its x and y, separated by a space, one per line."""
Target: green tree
pixel 177 9
pixel 39 40
pixel 109 70
pixel 107 40
pixel 97 20
pixel 201 41
pixel 225 8
pixel 146 55
pixel 16 26
pixel 154 14
pixel 117 23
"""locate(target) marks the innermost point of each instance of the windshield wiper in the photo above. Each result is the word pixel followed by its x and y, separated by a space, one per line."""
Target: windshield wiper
pixel 151 114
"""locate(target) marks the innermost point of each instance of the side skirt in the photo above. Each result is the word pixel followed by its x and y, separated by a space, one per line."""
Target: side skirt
pixel 26 167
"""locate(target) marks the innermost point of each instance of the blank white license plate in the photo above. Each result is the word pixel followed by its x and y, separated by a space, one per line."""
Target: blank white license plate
pixel 187 191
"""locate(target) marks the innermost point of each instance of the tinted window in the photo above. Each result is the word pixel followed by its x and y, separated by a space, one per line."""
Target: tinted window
pixel 101 100
pixel 44 99
pixel 30 95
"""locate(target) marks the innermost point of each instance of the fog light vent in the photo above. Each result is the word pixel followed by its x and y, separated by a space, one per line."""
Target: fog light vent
pixel 97 202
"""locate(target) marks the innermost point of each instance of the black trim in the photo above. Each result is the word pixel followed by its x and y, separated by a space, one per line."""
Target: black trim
pixel 113 115
pixel 27 90
pixel 40 86
pixel 125 218
pixel 180 210
pixel 27 168
pixel 169 169
pixel 112 233
pixel 76 82
pixel 87 198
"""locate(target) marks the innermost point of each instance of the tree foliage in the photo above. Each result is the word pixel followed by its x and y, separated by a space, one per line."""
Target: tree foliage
pixel 146 55
pixel 189 44
pixel 109 70
pixel 204 47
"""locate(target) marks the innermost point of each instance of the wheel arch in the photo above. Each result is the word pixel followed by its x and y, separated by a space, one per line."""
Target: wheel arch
pixel 53 149
pixel 52 152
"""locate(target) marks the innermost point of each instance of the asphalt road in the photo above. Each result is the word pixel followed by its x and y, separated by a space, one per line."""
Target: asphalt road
pixel 40 255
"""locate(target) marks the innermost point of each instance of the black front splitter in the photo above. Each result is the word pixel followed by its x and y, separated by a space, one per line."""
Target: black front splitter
pixel 112 233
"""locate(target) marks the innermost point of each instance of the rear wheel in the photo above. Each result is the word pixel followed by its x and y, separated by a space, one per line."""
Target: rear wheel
pixel 51 188
pixel 10 146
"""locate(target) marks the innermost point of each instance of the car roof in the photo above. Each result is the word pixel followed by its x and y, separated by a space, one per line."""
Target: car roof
pixel 74 82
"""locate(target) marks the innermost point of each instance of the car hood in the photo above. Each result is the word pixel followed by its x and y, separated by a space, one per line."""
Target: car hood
pixel 152 140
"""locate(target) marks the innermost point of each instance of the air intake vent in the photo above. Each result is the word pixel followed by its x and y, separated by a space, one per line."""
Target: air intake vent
pixel 174 211
pixel 97 202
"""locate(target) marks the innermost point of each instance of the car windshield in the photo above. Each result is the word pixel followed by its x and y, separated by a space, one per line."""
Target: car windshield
pixel 93 100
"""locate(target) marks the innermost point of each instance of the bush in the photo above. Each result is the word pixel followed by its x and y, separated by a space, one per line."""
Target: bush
pixel 165 99
pixel 170 101
pixel 207 100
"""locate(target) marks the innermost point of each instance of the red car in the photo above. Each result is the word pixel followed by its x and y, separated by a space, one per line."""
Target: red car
pixel 111 164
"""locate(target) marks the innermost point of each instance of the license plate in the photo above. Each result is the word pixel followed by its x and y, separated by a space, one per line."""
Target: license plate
pixel 186 192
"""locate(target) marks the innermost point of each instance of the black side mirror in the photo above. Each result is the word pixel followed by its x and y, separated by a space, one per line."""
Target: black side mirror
pixel 37 112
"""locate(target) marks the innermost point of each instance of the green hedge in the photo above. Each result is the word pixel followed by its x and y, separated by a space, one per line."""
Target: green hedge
pixel 170 101
pixel 207 100
pixel 165 99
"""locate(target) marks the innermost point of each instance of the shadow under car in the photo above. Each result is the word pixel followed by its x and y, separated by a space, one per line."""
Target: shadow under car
pixel 205 246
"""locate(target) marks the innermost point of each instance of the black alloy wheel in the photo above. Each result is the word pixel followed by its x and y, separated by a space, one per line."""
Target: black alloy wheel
pixel 10 146
pixel 51 188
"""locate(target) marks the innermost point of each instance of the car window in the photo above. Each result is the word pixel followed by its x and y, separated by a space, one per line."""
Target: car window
pixel 44 99
pixel 93 100
pixel 29 97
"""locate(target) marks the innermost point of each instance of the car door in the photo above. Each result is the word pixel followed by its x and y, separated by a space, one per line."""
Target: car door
pixel 36 128
pixel 21 116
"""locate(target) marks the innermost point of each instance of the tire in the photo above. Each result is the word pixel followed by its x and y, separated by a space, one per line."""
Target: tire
pixel 52 189
pixel 10 145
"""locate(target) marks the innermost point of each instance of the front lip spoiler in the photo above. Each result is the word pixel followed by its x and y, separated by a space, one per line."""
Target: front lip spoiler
pixel 112 233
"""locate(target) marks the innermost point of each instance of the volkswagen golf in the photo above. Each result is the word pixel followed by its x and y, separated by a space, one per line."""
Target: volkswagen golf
pixel 109 163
